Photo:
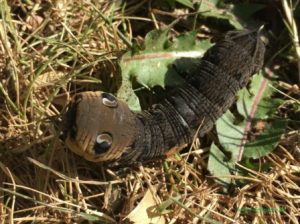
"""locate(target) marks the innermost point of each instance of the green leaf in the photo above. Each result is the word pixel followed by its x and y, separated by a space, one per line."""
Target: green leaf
pixel 219 166
pixel 209 8
pixel 163 206
pixel 258 109
pixel 266 106
pixel 230 134
pixel 152 66
pixel 267 141
pixel 92 218
pixel 245 13
pixel 258 166
pixel 171 3
pixel 187 3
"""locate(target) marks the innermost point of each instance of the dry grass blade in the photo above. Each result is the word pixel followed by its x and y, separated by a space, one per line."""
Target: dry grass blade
pixel 292 25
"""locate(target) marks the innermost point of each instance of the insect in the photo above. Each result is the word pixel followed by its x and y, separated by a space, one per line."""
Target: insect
pixel 102 128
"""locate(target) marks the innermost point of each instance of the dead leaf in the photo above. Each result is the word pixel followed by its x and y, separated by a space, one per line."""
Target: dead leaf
pixel 48 79
pixel 145 212
pixel 34 21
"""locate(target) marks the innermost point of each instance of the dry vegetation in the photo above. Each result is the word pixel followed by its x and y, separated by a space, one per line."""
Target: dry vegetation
pixel 51 49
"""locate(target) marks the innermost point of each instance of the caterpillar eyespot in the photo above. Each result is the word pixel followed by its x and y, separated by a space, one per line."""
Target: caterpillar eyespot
pixel 103 143
pixel 109 100
pixel 210 88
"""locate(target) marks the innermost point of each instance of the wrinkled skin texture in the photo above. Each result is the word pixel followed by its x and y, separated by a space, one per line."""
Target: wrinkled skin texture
pixel 100 127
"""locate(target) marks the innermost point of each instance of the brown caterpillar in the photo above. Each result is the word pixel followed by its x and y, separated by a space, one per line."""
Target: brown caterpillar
pixel 102 128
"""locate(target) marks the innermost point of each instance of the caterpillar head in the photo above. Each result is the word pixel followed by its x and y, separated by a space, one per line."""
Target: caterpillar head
pixel 98 126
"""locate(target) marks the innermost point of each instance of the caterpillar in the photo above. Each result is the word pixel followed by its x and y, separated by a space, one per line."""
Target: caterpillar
pixel 102 128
